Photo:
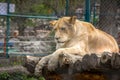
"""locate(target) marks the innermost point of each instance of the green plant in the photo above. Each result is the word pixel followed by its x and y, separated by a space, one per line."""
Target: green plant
pixel 4 76
pixel 41 78
pixel 31 78
pixel 18 76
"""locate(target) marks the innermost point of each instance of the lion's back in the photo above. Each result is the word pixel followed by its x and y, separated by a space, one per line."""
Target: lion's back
pixel 103 42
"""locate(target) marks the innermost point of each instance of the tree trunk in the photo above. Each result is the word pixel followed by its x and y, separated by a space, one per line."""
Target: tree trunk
pixel 90 67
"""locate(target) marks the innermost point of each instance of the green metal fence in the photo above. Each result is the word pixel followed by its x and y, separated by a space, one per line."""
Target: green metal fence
pixel 8 16
pixel 26 15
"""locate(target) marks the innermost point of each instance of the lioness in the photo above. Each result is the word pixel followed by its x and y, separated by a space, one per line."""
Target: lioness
pixel 78 38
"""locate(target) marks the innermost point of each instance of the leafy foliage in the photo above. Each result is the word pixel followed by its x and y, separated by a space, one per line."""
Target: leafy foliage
pixel 42 9
pixel 18 76
pixel 4 76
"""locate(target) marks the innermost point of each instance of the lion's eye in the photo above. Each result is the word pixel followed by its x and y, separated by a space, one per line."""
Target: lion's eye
pixel 55 29
pixel 62 28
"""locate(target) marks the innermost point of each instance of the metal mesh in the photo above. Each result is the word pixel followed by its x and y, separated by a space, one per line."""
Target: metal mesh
pixel 35 39
pixel 30 19
pixel 105 15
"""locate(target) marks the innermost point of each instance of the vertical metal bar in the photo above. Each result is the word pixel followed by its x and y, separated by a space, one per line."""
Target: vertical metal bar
pixel 67 8
pixel 8 28
pixel 94 13
pixel 87 10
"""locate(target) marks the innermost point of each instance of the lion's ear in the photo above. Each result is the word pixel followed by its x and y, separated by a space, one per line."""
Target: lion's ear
pixel 72 19
pixel 52 23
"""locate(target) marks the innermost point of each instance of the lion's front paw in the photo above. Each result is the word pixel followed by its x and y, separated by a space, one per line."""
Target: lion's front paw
pixel 38 73
pixel 53 63
pixel 38 69
pixel 41 64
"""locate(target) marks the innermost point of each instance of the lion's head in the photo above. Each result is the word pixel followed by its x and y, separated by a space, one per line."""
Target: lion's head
pixel 64 29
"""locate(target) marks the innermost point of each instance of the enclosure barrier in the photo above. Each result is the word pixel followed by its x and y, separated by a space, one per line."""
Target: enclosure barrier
pixel 8 16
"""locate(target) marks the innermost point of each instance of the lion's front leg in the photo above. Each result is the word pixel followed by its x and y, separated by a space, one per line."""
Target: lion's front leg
pixel 61 57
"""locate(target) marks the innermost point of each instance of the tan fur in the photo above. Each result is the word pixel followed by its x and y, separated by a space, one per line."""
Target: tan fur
pixel 78 37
